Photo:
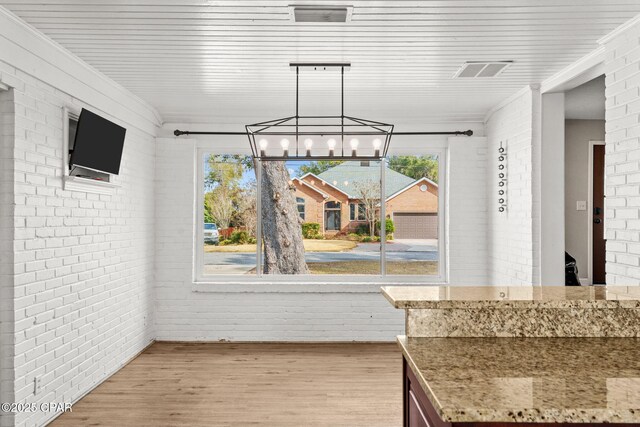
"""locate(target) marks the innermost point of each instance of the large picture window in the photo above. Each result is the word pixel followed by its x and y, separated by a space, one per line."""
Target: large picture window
pixel 322 218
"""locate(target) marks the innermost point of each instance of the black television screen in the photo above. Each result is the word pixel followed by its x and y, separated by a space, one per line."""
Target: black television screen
pixel 98 144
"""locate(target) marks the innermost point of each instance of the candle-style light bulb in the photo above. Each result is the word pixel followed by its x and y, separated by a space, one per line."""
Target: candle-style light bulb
pixel 308 143
pixel 263 143
pixel 332 145
pixel 354 146
pixel 377 143
pixel 284 143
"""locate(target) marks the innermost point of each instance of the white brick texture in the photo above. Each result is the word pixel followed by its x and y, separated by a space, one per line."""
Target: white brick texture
pixel 82 278
pixel 467 211
pixel 622 157
pixel 6 253
pixel 511 234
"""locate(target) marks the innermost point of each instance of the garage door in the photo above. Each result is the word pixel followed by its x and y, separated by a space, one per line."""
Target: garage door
pixel 415 225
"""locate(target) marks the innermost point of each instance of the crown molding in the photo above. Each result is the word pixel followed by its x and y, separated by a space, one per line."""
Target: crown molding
pixel 581 71
pixel 509 100
pixel 621 29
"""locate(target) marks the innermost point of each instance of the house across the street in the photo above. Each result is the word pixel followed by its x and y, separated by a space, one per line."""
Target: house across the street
pixel 334 199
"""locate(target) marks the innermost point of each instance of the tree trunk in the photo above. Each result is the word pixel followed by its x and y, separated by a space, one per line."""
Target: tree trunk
pixel 281 231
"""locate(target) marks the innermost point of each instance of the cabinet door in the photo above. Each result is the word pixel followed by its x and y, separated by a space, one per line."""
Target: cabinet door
pixel 416 416
pixel 418 410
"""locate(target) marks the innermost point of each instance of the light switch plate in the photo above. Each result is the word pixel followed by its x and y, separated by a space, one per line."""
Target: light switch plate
pixel 581 205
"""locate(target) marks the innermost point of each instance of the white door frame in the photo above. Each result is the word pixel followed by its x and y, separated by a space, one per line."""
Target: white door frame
pixel 592 144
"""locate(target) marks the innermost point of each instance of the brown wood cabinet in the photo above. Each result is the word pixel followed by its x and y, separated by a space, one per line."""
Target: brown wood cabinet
pixel 419 412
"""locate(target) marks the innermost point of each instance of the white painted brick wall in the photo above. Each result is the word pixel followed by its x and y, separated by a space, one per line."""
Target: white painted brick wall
pixel 467 211
pixel 6 252
pixel 83 283
pixel 622 157
pixel 510 234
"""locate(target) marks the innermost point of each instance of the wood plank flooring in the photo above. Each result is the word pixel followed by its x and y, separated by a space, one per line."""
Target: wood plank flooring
pixel 270 384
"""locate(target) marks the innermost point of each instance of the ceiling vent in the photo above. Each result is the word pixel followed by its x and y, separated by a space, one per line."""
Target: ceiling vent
pixel 476 69
pixel 320 14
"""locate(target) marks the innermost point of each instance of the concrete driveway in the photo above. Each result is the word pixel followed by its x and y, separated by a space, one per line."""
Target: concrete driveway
pixel 398 250
pixel 401 245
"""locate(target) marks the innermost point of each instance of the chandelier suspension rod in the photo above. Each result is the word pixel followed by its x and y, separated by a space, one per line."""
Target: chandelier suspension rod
pixel 342 107
pixel 297 113
pixel 178 132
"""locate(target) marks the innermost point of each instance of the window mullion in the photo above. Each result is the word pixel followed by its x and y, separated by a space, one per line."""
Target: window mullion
pixel 258 166
pixel 383 220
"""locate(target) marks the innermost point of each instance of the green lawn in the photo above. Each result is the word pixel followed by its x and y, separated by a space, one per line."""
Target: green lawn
pixel 310 245
pixel 373 267
pixel 410 268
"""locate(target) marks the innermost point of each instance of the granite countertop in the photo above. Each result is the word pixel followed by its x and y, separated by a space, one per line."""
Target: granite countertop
pixel 586 380
pixel 436 297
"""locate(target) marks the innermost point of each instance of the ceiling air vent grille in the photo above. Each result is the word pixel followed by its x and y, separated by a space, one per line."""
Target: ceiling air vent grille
pixel 475 69
pixel 321 14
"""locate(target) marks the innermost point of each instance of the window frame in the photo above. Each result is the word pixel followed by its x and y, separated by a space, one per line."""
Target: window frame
pixel 302 204
pixel 360 209
pixel 313 283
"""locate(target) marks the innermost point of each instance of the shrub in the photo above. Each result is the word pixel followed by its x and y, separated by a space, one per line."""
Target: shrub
pixel 354 237
pixel 225 242
pixel 362 229
pixel 239 237
pixel 252 240
pixel 366 239
pixel 390 227
pixel 311 230
pixel 225 233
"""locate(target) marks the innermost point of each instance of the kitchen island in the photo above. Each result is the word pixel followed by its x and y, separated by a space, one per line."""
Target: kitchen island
pixel 504 356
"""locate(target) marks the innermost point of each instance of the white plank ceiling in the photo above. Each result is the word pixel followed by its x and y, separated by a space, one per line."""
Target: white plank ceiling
pixel 227 61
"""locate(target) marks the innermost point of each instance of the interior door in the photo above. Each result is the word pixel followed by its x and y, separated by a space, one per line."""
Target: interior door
pixel 597 223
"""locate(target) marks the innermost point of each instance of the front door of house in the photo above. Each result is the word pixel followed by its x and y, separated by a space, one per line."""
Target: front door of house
pixel 332 216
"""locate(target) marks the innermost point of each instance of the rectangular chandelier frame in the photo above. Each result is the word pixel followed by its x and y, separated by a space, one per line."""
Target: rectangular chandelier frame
pixel 319 137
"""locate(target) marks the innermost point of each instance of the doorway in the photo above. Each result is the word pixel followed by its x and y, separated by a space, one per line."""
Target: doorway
pixel 597 241
pixel 332 217
pixel 584 179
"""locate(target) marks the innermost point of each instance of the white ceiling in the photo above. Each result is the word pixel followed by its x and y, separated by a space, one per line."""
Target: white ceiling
pixel 587 101
pixel 227 61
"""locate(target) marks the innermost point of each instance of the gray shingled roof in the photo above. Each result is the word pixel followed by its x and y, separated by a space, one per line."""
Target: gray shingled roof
pixel 346 174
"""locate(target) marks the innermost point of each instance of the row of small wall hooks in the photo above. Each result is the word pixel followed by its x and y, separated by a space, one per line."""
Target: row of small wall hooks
pixel 502 177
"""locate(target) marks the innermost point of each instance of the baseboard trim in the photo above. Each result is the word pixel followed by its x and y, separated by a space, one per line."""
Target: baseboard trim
pixel 223 341
pixel 115 371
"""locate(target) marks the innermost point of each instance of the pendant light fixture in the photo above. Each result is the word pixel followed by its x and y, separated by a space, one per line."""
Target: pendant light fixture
pixel 319 137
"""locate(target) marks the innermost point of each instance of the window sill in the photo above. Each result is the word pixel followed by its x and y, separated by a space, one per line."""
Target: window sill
pixel 87 185
pixel 341 287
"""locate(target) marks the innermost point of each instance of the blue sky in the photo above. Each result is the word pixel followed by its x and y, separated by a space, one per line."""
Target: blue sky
pixel 249 175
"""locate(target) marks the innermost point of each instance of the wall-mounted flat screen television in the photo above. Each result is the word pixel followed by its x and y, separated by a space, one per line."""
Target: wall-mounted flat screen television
pixel 98 144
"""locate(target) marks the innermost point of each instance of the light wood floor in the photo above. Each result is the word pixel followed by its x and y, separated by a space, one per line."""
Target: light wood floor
pixel 196 384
